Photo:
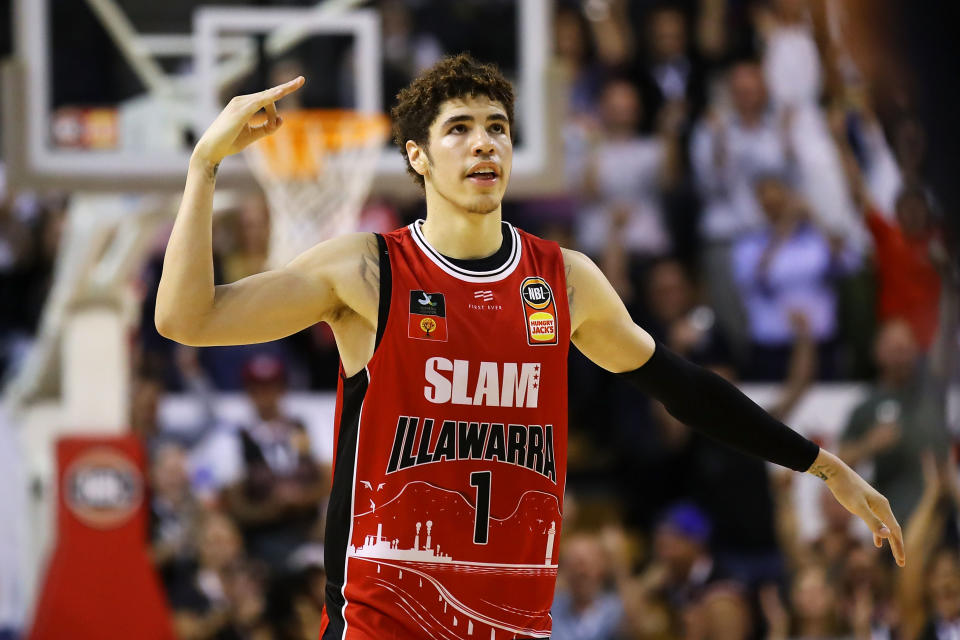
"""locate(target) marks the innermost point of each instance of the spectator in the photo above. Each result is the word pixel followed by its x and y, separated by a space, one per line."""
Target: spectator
pixel 908 280
pixel 902 416
pixel 860 128
pixel 252 245
pixel 866 600
pixel 28 275
pixel 791 59
pixel 174 511
pixel 782 270
pixel 906 251
pixel 670 74
pixel 910 148
pixel 584 76
pixel 625 176
pixel 278 500
pixel 309 578
pixel 406 51
pixel 814 612
pixel 795 74
pixel 645 616
pixel 929 586
pixel 584 608
pixel 679 321
pixel 147 388
pixel 218 597
pixel 683 569
pixel 729 151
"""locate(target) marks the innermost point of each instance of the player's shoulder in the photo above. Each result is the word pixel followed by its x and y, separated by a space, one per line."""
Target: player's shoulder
pixel 349 247
pixel 576 262
pixel 341 260
pixel 357 241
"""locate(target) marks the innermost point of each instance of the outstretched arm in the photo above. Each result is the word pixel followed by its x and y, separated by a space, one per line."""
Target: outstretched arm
pixel 604 332
pixel 262 307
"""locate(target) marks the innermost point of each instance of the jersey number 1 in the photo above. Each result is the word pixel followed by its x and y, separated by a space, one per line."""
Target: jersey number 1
pixel 481 523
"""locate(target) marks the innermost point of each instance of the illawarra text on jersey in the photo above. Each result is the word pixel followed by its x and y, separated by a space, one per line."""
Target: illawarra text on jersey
pixel 529 446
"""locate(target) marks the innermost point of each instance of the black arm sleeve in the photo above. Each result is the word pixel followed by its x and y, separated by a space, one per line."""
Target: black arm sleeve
pixel 713 406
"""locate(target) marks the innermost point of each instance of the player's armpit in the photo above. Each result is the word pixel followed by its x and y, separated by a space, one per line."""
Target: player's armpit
pixel 600 325
pixel 318 285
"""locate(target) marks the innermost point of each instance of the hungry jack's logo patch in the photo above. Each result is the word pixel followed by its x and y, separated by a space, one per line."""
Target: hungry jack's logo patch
pixel 540 311
pixel 428 316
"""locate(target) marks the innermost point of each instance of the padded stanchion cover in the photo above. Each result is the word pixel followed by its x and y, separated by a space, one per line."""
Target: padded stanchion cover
pixel 100 584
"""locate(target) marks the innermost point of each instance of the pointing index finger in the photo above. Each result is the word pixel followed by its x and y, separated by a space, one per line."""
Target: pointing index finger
pixel 279 91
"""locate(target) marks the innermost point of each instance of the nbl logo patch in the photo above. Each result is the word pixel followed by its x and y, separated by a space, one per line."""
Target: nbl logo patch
pixel 540 311
pixel 428 316
pixel 103 488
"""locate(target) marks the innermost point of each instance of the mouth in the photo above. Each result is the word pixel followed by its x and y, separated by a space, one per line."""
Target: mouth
pixel 484 174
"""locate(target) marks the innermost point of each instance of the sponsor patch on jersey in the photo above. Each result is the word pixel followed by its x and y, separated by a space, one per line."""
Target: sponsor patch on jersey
pixel 540 311
pixel 428 316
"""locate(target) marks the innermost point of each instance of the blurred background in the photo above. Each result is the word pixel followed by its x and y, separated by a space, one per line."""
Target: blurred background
pixel 769 185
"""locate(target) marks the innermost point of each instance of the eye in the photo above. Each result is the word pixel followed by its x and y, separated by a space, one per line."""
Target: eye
pixel 458 128
pixel 498 127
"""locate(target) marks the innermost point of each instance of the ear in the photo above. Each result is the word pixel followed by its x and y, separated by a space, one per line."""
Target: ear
pixel 417 156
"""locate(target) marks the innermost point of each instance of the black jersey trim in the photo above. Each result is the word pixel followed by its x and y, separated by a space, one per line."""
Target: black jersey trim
pixel 340 505
pixel 386 288
pixel 490 269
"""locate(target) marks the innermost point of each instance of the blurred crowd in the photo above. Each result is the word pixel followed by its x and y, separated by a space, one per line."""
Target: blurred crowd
pixel 758 209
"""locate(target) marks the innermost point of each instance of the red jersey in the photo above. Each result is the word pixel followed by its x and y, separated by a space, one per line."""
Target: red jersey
pixel 451 447
pixel 909 283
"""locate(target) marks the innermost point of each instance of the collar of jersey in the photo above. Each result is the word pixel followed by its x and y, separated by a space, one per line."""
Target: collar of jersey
pixel 474 270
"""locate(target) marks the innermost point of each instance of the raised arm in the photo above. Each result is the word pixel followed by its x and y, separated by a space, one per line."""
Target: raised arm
pixel 604 332
pixel 265 306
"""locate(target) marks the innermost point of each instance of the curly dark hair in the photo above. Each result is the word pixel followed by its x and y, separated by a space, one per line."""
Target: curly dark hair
pixel 453 77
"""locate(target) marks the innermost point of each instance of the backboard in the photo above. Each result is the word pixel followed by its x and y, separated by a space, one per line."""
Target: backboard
pixel 112 94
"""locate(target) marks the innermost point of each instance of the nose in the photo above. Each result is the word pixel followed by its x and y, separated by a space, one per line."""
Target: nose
pixel 482 143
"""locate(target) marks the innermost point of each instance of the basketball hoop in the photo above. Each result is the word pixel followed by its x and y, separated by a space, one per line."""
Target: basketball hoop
pixel 316 171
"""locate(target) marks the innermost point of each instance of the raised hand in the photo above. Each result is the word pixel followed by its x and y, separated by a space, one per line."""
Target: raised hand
pixel 231 131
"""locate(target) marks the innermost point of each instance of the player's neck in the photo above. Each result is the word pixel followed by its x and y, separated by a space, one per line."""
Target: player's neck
pixel 460 234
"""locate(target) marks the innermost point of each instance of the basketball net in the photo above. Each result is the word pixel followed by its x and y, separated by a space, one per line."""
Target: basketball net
pixel 316 170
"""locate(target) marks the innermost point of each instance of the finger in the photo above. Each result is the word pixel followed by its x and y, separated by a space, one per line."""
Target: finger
pixel 248 105
pixel 895 534
pixel 275 93
pixel 879 529
pixel 255 132
pixel 271 109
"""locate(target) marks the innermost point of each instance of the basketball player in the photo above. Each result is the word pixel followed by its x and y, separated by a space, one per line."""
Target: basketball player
pixel 450 434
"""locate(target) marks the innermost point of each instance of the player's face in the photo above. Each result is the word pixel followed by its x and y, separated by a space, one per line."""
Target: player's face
pixel 470 154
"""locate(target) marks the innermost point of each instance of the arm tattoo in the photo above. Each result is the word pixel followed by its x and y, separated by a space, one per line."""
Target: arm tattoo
pixel 823 471
pixel 370 268
pixel 212 174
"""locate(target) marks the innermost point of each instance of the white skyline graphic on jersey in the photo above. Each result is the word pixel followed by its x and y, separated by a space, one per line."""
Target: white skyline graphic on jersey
pixel 379 547
pixel 410 574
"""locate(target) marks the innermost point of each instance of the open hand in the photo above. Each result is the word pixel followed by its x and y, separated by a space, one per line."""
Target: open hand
pixel 231 131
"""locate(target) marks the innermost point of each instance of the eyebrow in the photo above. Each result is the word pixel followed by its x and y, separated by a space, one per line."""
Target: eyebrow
pixel 499 117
